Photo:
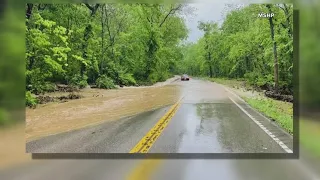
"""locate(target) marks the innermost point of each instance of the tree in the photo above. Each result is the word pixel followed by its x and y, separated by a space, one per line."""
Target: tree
pixel 246 47
pixel 276 65
pixel 81 44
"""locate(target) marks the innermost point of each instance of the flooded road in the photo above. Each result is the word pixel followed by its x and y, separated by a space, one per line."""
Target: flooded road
pixel 96 107
pixel 210 119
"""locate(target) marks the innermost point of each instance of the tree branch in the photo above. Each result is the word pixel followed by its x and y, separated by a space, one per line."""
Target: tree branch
pixel 88 6
pixel 93 9
pixel 43 7
pixel 148 19
pixel 172 11
pixel 281 7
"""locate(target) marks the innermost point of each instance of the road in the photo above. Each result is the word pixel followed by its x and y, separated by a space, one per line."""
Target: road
pixel 159 169
pixel 208 119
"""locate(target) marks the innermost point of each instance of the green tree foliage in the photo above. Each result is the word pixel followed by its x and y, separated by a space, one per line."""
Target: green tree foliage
pixel 102 44
pixel 242 47
pixel 105 82
pixel 31 101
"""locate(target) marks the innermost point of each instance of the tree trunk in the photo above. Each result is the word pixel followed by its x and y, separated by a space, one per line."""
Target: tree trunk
pixel 210 65
pixel 276 67
pixel 286 11
pixel 29 10
pixel 86 36
pixel 102 39
pixel 210 68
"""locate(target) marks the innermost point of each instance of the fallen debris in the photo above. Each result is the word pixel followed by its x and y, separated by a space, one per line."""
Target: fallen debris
pixel 47 99
pixel 66 88
pixel 277 96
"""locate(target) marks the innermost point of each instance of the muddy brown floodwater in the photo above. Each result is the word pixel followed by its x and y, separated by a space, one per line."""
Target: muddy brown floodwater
pixel 96 107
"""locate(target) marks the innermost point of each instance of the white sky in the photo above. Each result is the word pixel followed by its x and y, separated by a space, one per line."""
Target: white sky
pixel 203 12
pixel 209 10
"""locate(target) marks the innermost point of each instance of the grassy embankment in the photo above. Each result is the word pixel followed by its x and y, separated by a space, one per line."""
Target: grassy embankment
pixel 281 112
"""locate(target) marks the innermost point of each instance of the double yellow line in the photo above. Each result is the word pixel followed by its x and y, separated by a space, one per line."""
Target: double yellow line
pixel 149 139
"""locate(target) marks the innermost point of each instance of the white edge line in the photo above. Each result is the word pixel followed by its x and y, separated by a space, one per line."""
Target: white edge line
pixel 301 164
pixel 256 110
pixel 278 141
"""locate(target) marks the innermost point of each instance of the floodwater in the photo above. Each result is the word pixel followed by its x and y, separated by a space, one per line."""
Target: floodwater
pixel 97 106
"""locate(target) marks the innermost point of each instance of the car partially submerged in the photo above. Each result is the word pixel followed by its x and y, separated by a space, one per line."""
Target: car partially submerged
pixel 185 77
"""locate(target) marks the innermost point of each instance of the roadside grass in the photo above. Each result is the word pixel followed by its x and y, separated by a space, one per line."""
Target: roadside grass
pixel 282 113
pixel 309 136
pixel 279 111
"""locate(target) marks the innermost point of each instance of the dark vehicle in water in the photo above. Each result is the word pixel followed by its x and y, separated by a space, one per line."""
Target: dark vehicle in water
pixel 185 77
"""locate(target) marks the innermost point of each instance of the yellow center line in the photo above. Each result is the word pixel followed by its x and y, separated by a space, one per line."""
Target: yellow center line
pixel 144 170
pixel 149 139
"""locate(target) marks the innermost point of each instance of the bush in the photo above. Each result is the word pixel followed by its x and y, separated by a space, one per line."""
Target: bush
pixel 153 78
pixel 256 79
pixel 79 81
pixel 35 81
pixel 158 77
pixel 105 82
pixel 31 101
pixel 251 77
pixel 41 88
pixel 49 87
pixel 127 80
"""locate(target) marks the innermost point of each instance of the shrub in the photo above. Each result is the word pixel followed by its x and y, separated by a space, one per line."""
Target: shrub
pixel 31 101
pixel 127 80
pixel 251 77
pixel 105 82
pixel 254 78
pixel 79 81
pixel 49 87
pixel 41 88
pixel 158 77
pixel 153 78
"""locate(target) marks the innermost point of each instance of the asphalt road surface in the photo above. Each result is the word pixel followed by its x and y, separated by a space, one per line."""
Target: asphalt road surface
pixel 208 119
pixel 159 170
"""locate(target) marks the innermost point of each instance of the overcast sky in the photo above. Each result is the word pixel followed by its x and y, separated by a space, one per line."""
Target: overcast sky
pixel 209 10
pixel 203 12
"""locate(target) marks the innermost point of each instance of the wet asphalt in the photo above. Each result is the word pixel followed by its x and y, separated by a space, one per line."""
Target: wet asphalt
pixel 167 169
pixel 206 122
